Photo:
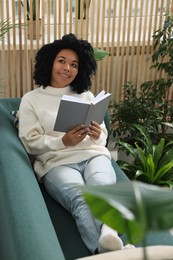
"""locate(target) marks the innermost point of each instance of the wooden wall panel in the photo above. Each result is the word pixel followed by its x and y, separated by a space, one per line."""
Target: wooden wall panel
pixel 122 27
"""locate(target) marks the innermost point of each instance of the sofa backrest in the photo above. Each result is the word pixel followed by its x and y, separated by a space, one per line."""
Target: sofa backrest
pixel 12 104
pixel 25 224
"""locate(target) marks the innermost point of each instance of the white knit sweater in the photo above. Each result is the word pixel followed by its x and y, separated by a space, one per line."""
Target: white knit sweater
pixel 37 114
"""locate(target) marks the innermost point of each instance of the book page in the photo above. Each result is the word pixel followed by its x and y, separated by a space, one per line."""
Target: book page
pixel 97 111
pixel 74 99
pixel 101 97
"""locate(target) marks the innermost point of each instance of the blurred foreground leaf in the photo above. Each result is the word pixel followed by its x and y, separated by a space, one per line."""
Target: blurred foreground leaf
pixel 133 208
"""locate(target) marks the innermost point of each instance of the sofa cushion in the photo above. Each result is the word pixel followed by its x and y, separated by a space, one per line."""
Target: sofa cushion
pixel 25 225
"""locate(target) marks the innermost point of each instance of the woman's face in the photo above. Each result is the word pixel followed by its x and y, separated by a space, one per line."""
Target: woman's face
pixel 65 68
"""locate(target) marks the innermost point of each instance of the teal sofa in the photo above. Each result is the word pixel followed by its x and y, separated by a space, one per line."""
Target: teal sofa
pixel 32 225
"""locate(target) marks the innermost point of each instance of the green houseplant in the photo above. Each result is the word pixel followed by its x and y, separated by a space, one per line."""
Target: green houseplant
pixel 33 18
pixel 80 21
pixel 137 208
pixel 86 4
pixel 100 54
pixel 151 105
pixel 152 163
pixel 5 26
pixel 32 4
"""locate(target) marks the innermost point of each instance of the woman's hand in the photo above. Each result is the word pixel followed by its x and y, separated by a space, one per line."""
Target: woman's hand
pixel 75 136
pixel 94 130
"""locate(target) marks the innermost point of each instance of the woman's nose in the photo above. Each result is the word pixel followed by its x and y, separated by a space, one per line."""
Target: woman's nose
pixel 67 67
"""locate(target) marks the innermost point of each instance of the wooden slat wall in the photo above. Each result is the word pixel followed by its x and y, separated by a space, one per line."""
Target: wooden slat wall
pixel 122 27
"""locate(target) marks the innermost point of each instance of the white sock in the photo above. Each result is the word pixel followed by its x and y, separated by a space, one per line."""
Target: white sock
pixel 128 246
pixel 109 240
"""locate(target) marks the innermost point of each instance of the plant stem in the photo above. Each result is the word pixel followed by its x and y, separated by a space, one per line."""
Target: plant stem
pixel 144 249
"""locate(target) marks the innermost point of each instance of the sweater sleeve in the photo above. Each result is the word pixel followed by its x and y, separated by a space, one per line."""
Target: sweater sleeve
pixel 34 138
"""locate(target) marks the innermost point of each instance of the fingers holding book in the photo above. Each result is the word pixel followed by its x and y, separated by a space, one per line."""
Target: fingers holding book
pixel 75 136
pixel 95 130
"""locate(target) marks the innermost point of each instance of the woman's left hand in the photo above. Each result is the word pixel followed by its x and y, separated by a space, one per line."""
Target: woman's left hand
pixel 95 130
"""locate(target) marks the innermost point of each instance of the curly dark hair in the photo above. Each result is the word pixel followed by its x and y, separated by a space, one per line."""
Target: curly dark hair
pixel 87 64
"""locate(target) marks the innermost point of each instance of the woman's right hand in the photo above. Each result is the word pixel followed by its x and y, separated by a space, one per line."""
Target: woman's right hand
pixel 75 136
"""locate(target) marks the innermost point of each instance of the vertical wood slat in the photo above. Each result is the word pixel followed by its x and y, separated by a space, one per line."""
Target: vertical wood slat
pixel 113 49
pixel 25 76
pixel 137 71
pixel 70 11
pixel 143 43
pixel 128 43
pixel 59 21
pixel 123 42
pixel 128 46
pixel 100 43
pixel 3 57
pixel 152 72
pixel 106 72
pixel 55 18
pixel 14 49
pixel 48 21
pixel 147 63
pixel 92 21
pixel 9 53
pixel 133 39
pixel 43 22
pixel 118 43
pixel 20 53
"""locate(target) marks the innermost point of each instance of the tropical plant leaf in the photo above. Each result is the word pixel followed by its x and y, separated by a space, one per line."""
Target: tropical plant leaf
pixel 137 207
pixel 158 151
pixel 128 147
pixel 150 168
pixel 145 134
pixel 100 54
pixel 167 183
pixel 162 171
pixel 141 159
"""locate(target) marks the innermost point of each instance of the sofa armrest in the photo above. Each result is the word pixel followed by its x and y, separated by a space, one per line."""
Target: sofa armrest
pixel 25 226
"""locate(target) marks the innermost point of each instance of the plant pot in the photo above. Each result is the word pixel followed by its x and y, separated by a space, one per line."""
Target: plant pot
pixel 32 29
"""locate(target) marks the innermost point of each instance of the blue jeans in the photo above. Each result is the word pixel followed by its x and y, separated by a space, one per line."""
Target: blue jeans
pixel 61 182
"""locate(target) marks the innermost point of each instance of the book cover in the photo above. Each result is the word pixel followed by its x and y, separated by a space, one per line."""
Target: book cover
pixel 74 111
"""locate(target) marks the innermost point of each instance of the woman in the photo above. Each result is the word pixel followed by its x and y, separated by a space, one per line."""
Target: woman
pixel 78 157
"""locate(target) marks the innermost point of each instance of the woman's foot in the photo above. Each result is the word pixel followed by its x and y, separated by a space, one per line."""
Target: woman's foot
pixel 109 240
pixel 128 246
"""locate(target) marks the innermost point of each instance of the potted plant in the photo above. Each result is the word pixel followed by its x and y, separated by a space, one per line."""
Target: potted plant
pixel 147 107
pixel 86 4
pixel 81 23
pixel 151 105
pixel 5 26
pixel 152 163
pixel 33 17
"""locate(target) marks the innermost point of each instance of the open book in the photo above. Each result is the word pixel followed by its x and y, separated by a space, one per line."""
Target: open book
pixel 75 111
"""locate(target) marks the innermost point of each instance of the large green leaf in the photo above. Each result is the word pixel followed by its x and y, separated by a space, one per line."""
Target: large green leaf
pixel 158 151
pixel 133 208
pixel 162 171
pixel 146 136
pixel 150 172
pixel 100 54
pixel 128 147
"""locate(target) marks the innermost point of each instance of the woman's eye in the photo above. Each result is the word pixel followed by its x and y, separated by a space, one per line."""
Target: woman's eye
pixel 61 61
pixel 74 65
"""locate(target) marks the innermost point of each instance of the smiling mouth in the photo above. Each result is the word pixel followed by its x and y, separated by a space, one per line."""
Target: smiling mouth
pixel 65 75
